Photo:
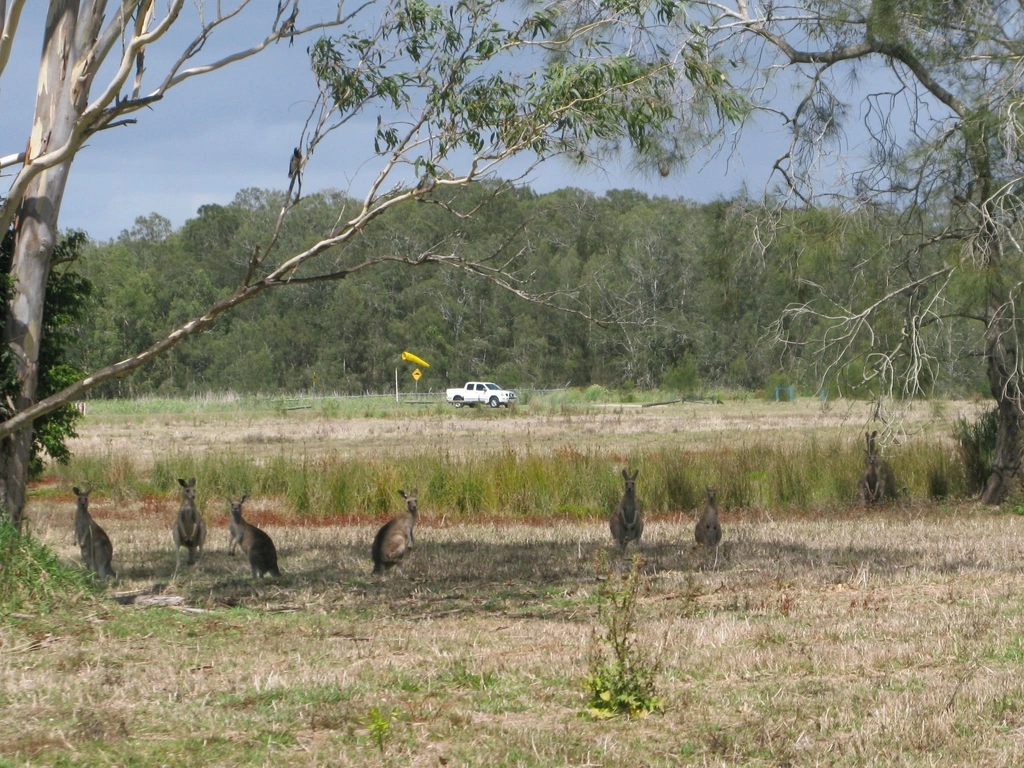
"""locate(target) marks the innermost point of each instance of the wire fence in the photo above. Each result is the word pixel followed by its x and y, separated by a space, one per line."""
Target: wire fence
pixel 298 401
pixel 430 396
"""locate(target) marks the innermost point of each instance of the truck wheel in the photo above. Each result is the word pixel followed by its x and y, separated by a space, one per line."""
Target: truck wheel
pixel 457 402
pixel 493 402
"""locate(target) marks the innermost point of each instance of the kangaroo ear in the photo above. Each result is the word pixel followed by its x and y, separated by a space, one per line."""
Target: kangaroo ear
pixel 625 475
pixel 636 473
pixel 402 494
pixel 244 497
pixel 414 492
pixel 192 482
pixel 182 483
pixel 76 491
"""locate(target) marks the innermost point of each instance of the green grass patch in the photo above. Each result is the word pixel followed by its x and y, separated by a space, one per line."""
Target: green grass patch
pixel 33 577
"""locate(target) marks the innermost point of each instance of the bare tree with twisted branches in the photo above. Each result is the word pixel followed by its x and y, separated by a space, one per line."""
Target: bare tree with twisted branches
pixel 938 90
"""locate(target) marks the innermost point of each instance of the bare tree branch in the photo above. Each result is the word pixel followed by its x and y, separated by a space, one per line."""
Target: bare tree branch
pixel 136 20
pixel 9 21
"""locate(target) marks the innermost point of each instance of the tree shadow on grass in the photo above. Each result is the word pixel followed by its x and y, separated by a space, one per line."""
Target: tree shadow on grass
pixel 542 578
pixel 833 564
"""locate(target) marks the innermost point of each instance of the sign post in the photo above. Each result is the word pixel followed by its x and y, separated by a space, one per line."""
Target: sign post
pixel 410 357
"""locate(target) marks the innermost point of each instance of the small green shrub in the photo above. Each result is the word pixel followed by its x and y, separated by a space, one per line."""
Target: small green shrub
pixel 378 723
pixel 683 377
pixel 622 676
pixel 330 408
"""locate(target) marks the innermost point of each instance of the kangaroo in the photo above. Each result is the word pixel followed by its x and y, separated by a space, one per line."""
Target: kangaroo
pixel 626 522
pixel 91 539
pixel 253 541
pixel 872 483
pixel 708 531
pixel 235 525
pixel 189 528
pixel 394 538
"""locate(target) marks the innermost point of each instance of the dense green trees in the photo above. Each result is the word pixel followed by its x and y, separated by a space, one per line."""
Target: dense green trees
pixel 676 294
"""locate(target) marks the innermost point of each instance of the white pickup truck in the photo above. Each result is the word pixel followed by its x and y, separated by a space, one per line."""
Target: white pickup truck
pixel 479 392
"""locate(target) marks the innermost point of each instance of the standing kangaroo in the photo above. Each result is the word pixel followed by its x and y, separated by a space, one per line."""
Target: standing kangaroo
pixel 254 542
pixel 626 522
pixel 708 531
pixel 189 528
pixel 872 483
pixel 394 538
pixel 91 539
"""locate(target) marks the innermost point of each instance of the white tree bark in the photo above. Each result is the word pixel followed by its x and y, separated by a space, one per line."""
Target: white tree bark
pixel 60 98
pixel 75 45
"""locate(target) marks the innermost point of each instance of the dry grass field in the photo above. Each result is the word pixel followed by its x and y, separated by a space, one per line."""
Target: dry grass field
pixel 609 426
pixel 840 636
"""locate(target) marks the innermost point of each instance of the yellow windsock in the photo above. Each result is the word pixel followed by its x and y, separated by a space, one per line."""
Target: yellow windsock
pixel 413 359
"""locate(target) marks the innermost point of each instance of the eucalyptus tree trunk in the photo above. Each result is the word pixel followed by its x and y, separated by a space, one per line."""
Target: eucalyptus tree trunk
pixel 1001 327
pixel 61 96
pixel 1006 465
pixel 1003 376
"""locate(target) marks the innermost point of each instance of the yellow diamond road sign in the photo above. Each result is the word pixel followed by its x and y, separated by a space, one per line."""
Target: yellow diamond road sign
pixel 416 374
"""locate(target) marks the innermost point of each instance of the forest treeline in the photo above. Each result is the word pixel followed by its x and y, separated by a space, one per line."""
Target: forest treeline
pixel 661 292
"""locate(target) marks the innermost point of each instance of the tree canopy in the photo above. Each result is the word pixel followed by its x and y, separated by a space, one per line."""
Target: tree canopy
pixel 669 286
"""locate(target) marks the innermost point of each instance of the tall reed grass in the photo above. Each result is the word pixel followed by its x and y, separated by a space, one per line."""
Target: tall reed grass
pixel 977 441
pixel 528 483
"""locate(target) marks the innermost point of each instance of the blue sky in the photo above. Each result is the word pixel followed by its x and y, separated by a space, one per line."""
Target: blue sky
pixel 223 132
